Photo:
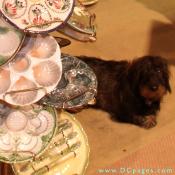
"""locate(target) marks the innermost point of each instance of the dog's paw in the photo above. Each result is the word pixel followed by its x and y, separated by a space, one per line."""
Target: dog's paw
pixel 149 121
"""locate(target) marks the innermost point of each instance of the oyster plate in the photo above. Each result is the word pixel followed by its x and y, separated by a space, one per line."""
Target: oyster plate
pixel 10 41
pixel 65 166
pixel 82 20
pixel 25 132
pixel 35 71
pixel 77 87
pixel 36 16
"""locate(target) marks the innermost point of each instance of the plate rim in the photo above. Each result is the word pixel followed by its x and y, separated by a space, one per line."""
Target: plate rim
pixel 73 118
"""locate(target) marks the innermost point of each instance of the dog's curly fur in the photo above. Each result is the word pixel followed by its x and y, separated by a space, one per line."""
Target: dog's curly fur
pixel 131 92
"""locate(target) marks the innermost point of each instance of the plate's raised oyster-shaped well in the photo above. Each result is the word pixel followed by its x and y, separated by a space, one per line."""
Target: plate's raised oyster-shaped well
pixel 10 41
pixel 35 71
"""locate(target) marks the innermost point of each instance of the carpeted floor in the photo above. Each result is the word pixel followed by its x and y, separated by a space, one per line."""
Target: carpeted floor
pixel 155 158
pixel 128 29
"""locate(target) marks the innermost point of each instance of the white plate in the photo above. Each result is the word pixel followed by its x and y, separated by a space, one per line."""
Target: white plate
pixel 36 16
pixel 35 72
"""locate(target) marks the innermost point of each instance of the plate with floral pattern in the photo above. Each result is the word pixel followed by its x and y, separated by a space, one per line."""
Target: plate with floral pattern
pixel 25 132
pixel 36 16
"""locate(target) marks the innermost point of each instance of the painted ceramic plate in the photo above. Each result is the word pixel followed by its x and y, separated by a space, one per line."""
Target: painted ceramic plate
pixel 36 16
pixel 62 165
pixel 26 132
pixel 10 41
pixel 35 71
pixel 77 87
pixel 82 20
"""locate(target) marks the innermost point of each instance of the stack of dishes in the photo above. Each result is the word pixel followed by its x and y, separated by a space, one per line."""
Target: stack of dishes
pixel 30 68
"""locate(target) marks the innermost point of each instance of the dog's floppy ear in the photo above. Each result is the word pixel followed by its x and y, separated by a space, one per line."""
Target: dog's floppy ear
pixel 134 75
pixel 166 76
pixel 166 72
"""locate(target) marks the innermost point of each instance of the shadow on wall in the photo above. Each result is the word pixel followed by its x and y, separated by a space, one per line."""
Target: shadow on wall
pixel 162 41
pixel 162 36
pixel 165 7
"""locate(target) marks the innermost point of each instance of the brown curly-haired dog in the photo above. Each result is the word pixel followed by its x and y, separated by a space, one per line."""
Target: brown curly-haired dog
pixel 131 92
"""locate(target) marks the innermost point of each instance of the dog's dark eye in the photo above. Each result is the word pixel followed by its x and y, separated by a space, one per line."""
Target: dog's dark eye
pixel 158 70
pixel 153 88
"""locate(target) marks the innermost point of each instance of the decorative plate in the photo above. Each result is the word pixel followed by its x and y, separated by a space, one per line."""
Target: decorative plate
pixel 36 16
pixel 82 20
pixel 52 162
pixel 35 71
pixel 77 87
pixel 10 41
pixel 25 132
